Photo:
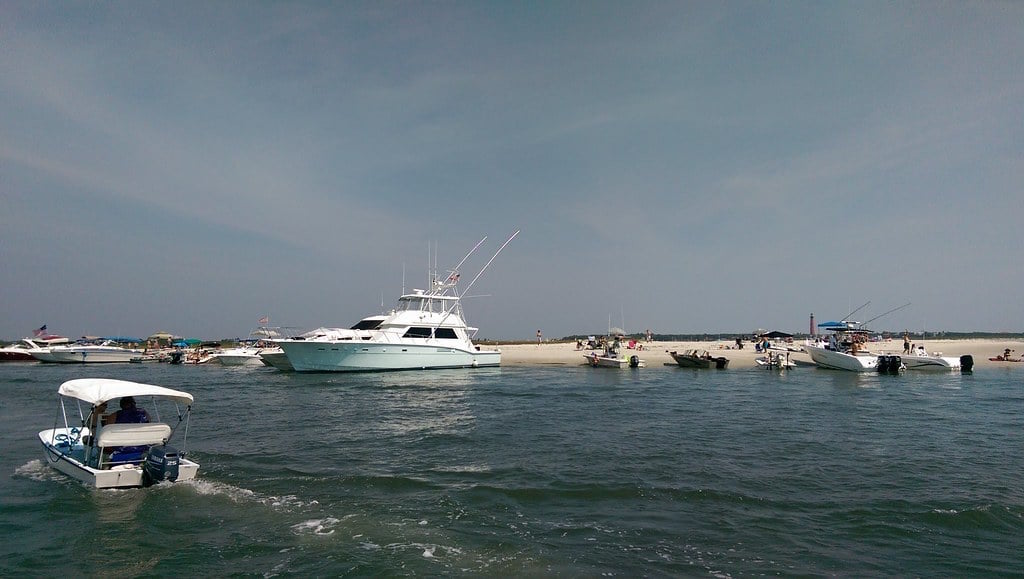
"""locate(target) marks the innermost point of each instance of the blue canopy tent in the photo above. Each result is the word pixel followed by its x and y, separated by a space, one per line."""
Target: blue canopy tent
pixel 188 342
pixel 124 339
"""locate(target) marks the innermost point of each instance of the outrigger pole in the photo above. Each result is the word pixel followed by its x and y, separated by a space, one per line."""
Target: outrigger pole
pixel 481 272
pixel 887 313
pixel 847 316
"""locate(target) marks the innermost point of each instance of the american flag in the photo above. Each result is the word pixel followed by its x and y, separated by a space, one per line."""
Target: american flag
pixel 40 331
pixel 264 320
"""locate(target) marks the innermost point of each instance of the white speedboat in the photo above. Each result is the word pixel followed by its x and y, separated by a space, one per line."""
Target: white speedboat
pixel 843 350
pixel 841 359
pixel 104 353
pixel 37 348
pixel 920 359
pixel 118 455
pixel 27 348
pixel 238 356
pixel 612 359
pixel 426 330
pixel 276 358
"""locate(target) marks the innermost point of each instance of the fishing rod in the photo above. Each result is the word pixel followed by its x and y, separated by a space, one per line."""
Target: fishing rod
pixel 887 313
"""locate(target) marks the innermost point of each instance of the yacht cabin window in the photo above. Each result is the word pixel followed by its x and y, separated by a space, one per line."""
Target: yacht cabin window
pixel 368 324
pixel 417 332
pixel 445 333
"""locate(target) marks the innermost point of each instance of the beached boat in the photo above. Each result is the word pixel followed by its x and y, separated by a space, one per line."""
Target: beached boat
pixel 611 358
pixel 105 353
pixel 776 360
pixel 920 359
pixel 699 359
pixel 426 330
pixel 119 454
pixel 842 350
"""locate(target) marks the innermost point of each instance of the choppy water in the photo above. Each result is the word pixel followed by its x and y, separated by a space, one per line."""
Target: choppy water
pixel 539 471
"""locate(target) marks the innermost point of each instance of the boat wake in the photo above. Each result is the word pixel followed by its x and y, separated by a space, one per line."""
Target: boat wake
pixel 37 470
pixel 241 495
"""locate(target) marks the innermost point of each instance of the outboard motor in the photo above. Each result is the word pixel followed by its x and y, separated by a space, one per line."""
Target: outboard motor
pixel 177 357
pixel 634 361
pixel 161 465
pixel 967 363
pixel 721 362
pixel 889 364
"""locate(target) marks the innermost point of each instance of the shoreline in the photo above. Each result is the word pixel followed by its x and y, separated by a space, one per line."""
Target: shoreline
pixel 656 353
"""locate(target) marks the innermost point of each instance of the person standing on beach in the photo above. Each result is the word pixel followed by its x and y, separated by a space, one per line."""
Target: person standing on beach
pixel 540 337
pixel 906 343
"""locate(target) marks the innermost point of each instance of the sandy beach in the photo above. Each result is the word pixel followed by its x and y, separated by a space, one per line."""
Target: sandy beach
pixel 657 353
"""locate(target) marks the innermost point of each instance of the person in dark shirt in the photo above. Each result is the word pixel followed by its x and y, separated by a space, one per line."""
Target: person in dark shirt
pixel 129 413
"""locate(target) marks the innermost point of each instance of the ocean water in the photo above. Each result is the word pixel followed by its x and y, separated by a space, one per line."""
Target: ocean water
pixel 539 471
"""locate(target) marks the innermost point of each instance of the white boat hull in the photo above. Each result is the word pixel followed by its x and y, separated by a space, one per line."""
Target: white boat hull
pixel 90 356
pixel 841 360
pixel 230 360
pixel 610 362
pixel 68 459
pixel 940 363
pixel 323 356
pixel 276 358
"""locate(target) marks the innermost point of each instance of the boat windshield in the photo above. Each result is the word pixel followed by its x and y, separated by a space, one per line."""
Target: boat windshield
pixel 368 324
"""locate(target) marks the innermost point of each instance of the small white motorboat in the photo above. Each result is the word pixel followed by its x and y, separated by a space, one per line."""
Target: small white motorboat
pixel 119 454
pixel 776 360
pixel 611 359
pixel 920 359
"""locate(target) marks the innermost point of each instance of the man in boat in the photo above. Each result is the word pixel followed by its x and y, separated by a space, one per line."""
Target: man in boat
pixel 128 414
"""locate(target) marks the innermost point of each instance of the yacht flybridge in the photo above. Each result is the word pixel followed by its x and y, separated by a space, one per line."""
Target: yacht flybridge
pixel 426 330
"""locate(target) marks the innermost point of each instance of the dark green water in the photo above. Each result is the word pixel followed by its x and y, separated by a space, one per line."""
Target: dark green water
pixel 570 471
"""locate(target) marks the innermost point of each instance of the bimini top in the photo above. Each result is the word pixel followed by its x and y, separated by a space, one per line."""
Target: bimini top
pixel 97 390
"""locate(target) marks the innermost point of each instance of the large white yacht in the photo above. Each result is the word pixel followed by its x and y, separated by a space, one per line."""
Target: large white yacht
pixel 106 353
pixel 426 330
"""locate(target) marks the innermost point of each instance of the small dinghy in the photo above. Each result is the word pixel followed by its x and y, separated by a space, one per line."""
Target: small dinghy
pixel 127 448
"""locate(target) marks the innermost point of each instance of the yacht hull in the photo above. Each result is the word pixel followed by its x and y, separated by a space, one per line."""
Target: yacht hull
pixel 94 356
pixel 372 357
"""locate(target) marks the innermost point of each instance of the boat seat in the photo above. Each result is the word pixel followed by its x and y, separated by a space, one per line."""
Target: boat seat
pixel 133 434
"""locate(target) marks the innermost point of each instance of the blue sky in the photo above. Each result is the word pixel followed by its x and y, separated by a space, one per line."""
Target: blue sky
pixel 683 167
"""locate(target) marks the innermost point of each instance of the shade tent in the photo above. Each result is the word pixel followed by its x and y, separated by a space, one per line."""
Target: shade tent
pixel 187 342
pixel 777 334
pixel 124 339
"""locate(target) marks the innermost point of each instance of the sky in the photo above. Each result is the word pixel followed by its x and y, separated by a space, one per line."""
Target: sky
pixel 682 167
